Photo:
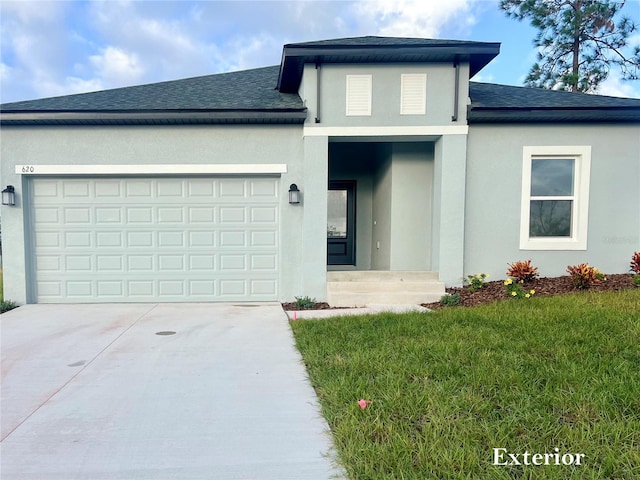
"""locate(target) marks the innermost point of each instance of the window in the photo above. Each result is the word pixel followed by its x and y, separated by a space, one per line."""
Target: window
pixel 555 198
pixel 413 94
pixel 358 95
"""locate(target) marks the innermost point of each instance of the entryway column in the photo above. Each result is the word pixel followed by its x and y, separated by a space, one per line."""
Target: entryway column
pixel 314 224
pixel 449 205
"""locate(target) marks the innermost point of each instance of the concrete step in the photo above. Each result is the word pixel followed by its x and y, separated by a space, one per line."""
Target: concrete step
pixel 359 288
pixel 344 299
pixel 380 276
pixel 374 287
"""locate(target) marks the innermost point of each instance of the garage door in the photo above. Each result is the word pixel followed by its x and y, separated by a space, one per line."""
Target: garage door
pixel 155 239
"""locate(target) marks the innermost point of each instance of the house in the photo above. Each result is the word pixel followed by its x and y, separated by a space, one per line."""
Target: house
pixel 359 170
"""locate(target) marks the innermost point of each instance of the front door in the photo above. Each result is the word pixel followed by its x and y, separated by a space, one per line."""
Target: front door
pixel 341 222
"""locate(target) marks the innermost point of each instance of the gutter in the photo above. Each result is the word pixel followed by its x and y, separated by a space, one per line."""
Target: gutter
pixel 153 117
pixel 554 114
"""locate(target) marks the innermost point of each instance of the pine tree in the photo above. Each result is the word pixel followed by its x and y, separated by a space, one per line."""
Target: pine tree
pixel 578 41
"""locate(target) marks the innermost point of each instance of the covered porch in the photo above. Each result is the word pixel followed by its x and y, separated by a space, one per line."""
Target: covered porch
pixel 380 222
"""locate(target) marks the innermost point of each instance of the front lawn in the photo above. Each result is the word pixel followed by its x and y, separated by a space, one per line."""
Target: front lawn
pixel 557 375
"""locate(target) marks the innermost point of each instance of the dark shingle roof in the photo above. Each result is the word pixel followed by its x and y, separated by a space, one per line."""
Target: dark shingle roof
pixel 373 41
pixel 251 96
pixel 380 50
pixel 250 92
pixel 492 103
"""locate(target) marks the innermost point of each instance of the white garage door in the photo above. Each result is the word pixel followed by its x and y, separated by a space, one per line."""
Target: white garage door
pixel 155 239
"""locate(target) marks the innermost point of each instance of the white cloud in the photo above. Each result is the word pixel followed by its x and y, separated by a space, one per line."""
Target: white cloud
pixel 29 12
pixel 253 51
pixel 69 85
pixel 117 67
pixel 416 18
pixel 484 78
pixel 614 86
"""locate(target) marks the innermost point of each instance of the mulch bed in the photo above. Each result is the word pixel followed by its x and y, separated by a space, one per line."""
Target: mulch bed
pixel 492 291
pixel 291 306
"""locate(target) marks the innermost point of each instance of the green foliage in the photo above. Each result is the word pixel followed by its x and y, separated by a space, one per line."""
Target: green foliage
pixel 522 270
pixel 515 289
pixel 305 303
pixel 450 300
pixel 448 386
pixel 636 279
pixel 6 305
pixel 476 282
pixel 584 275
pixel 578 42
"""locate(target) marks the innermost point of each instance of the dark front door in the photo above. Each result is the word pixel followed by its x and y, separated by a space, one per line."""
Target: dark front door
pixel 341 222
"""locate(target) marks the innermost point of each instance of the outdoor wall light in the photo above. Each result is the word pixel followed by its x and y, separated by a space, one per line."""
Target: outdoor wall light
pixel 9 196
pixel 294 194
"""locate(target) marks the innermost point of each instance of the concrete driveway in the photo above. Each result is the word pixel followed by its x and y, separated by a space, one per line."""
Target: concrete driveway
pixel 157 391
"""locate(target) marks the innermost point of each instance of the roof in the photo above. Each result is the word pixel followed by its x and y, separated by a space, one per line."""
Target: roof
pixel 247 96
pixel 492 103
pixel 252 96
pixel 380 50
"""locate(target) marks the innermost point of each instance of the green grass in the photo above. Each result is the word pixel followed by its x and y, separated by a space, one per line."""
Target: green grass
pixel 449 386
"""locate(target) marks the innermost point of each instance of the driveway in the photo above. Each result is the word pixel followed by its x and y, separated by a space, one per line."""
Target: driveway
pixel 157 391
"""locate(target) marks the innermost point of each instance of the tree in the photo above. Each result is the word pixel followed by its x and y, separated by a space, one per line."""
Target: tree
pixel 578 41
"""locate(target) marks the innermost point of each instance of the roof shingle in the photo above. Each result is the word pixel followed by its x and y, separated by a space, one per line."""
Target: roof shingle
pixel 245 90
pixel 499 103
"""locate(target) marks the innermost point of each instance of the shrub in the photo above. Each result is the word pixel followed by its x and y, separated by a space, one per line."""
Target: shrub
pixel 514 289
pixel 522 270
pixel 635 263
pixel 584 275
pixel 635 268
pixel 476 282
pixel 6 305
pixel 450 300
pixel 303 303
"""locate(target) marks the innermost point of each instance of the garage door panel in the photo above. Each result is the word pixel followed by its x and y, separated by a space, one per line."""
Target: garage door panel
pixel 110 288
pixel 108 215
pixel 110 189
pixel 127 240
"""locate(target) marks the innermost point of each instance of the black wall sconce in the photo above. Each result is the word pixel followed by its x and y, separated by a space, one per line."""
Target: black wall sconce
pixel 294 194
pixel 9 196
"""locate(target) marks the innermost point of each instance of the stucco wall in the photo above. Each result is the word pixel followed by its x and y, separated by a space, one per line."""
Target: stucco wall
pixel 386 89
pixel 449 197
pixel 494 184
pixel 411 209
pixel 381 234
pixel 168 145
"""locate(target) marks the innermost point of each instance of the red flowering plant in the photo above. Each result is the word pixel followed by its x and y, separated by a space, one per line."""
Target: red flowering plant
pixel 635 268
pixel 584 275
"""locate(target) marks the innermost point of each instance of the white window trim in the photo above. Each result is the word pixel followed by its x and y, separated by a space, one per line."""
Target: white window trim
pixel 580 218
pixel 407 81
pixel 368 86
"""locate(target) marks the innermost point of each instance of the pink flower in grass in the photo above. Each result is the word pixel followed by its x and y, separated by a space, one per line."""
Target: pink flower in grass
pixel 363 403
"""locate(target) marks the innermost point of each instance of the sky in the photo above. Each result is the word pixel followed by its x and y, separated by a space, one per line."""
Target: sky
pixel 60 47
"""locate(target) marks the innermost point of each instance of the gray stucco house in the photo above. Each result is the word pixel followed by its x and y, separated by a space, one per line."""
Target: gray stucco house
pixel 409 176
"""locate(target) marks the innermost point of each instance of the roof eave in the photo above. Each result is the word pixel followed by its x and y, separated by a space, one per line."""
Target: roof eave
pixel 132 117
pixel 559 115
pixel 295 56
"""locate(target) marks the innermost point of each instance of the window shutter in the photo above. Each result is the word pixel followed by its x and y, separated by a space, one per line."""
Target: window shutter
pixel 358 95
pixel 413 97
